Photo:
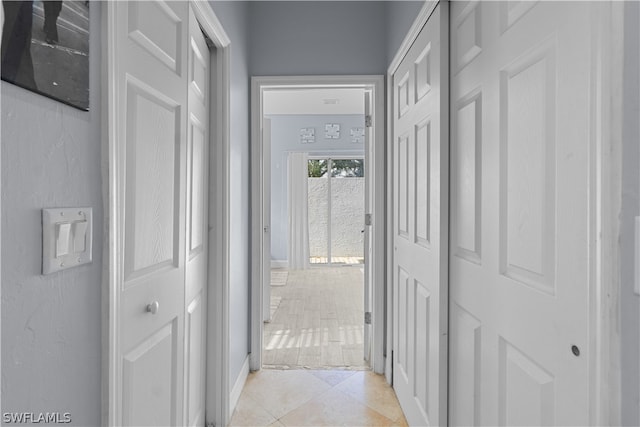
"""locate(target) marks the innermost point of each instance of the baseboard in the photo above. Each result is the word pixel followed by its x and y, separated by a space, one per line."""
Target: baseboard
pixel 238 386
pixel 279 263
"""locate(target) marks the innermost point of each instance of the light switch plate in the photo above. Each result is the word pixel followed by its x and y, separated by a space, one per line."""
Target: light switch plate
pixel 66 238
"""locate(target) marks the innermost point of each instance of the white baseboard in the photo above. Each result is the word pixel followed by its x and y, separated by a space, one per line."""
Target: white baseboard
pixel 279 263
pixel 238 386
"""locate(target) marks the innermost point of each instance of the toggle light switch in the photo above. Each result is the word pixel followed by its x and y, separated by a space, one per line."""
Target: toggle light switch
pixel 62 239
pixel 66 238
pixel 79 236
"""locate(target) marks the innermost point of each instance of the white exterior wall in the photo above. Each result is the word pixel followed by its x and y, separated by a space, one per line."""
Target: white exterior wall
pixel 347 217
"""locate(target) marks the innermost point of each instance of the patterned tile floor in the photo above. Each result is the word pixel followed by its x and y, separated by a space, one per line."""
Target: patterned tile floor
pixel 317 319
pixel 317 398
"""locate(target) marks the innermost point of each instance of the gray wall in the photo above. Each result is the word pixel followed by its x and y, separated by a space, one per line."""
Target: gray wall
pixel 51 333
pixel 233 16
pixel 318 37
pixel 285 138
pixel 629 302
pixel 400 16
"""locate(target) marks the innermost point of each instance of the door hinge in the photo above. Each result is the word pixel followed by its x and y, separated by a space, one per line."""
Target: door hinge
pixel 368 219
pixel 367 318
pixel 367 121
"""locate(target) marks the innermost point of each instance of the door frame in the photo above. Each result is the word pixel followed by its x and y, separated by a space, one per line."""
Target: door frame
pixel 217 331
pixel 605 196
pixel 259 84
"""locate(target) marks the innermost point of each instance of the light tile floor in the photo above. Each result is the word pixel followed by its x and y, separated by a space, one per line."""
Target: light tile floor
pixel 317 319
pixel 317 398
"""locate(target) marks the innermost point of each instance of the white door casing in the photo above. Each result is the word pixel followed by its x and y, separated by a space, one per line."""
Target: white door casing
pixel 197 224
pixel 420 230
pixel 369 198
pixel 524 93
pixel 259 86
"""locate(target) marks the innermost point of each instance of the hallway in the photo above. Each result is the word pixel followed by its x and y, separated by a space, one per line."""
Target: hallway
pixel 316 319
pixel 317 398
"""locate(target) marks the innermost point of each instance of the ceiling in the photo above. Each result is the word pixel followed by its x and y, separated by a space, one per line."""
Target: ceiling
pixel 314 101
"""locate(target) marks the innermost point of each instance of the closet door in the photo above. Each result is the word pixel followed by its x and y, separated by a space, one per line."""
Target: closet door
pixel 521 114
pixel 420 232
pixel 150 93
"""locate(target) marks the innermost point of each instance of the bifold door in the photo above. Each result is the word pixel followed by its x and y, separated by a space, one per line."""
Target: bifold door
pixel 160 101
pixel 522 103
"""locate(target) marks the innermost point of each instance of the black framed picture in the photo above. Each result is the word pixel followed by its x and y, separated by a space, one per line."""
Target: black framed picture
pixel 45 48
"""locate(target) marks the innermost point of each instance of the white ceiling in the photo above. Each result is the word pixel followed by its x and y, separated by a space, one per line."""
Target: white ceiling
pixel 314 101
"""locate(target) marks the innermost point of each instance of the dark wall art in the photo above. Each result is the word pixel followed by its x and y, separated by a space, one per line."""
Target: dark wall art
pixel 45 48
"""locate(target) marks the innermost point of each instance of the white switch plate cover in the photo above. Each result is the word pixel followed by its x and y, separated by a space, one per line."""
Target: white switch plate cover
pixel 72 216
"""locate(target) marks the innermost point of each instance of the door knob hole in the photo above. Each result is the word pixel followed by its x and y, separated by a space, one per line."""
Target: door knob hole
pixel 575 350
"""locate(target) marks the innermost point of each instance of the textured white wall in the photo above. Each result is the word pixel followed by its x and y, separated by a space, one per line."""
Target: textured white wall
pixel 318 194
pixel 347 217
pixel 51 325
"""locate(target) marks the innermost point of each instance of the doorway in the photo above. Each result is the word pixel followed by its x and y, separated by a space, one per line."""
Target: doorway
pixel 353 141
pixel 314 147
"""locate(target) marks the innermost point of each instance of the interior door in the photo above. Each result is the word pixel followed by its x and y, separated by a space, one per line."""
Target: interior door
pixel 150 91
pixel 521 110
pixel 197 214
pixel 420 233
pixel 266 215
pixel 368 241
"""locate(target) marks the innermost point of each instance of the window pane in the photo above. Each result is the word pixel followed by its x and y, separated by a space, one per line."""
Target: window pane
pixel 317 168
pixel 347 168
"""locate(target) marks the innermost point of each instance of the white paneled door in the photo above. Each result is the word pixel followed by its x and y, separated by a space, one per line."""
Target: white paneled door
pixel 160 94
pixel 521 115
pixel 420 236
